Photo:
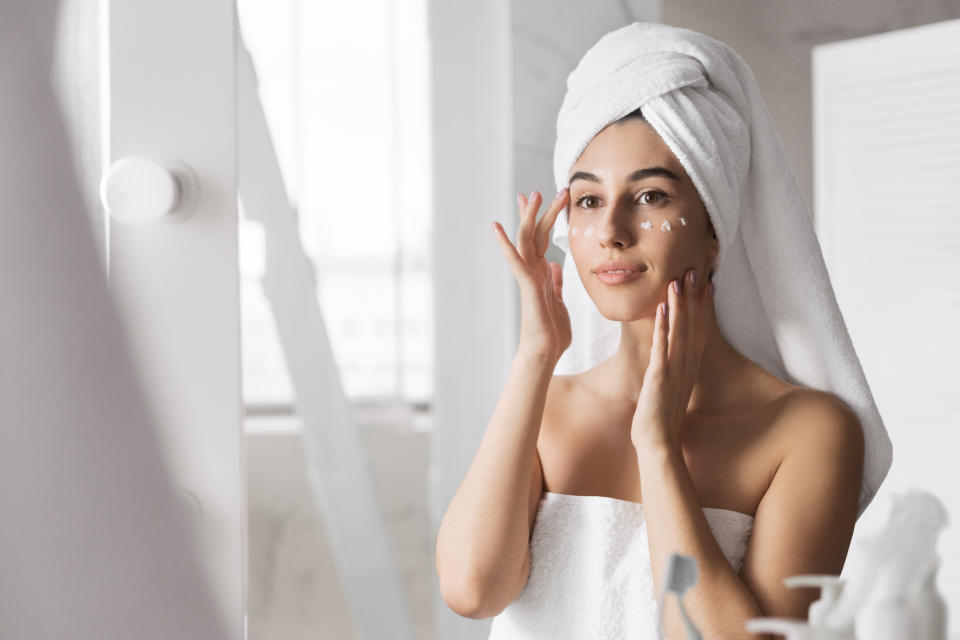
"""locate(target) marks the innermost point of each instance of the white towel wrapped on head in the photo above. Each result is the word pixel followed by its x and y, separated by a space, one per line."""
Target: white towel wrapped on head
pixel 774 302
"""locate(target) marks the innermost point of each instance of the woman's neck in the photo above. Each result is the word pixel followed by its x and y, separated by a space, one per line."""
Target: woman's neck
pixel 621 376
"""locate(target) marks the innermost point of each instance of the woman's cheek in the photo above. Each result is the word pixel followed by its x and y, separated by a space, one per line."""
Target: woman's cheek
pixel 668 231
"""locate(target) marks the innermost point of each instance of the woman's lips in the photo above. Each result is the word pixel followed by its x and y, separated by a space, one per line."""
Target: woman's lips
pixel 614 277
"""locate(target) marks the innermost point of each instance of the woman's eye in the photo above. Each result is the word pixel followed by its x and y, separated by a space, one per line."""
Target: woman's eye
pixel 660 196
pixel 584 198
pixel 581 200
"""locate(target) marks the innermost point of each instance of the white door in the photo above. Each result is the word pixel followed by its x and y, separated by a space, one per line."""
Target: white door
pixel 170 97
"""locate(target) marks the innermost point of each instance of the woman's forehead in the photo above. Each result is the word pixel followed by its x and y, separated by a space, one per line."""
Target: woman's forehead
pixel 620 151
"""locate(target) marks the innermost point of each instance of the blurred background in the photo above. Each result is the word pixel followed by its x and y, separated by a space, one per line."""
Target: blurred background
pixel 351 306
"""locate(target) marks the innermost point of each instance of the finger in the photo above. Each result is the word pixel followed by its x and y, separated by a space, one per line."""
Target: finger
pixel 525 230
pixel 691 304
pixel 546 222
pixel 556 272
pixel 522 204
pixel 658 350
pixel 514 260
pixel 677 325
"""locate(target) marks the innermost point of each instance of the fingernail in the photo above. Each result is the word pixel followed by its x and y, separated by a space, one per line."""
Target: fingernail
pixel 533 193
pixel 711 289
pixel 519 199
pixel 676 286
pixel 693 277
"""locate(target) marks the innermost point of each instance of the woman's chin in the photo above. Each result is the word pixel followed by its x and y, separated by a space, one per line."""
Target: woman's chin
pixel 618 303
pixel 624 310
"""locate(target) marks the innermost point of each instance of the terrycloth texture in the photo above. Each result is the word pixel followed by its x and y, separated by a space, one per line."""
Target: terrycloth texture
pixel 590 574
pixel 774 300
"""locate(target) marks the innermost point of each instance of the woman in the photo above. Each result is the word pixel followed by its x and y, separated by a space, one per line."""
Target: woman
pixel 584 484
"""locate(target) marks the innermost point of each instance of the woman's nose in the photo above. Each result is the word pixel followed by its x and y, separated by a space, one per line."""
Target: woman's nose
pixel 613 230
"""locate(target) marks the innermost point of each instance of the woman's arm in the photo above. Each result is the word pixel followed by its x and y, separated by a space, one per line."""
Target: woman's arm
pixel 806 518
pixel 720 603
pixel 803 524
pixel 483 543
pixel 483 548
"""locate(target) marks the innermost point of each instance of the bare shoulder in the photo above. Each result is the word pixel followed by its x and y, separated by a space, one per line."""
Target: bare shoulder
pixel 815 428
pixel 812 413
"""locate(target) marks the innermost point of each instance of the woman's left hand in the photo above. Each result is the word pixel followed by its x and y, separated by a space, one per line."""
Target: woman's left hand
pixel 679 340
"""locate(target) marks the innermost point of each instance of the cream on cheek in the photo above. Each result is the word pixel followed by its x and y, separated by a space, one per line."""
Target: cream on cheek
pixel 578 235
pixel 666 224
pixel 646 225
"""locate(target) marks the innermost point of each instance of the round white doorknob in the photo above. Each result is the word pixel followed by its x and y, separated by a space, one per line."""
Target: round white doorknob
pixel 139 190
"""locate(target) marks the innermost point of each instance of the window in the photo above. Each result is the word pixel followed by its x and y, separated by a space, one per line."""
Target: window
pixel 353 145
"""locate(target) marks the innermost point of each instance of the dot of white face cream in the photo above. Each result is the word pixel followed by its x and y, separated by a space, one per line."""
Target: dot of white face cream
pixel 574 231
pixel 589 230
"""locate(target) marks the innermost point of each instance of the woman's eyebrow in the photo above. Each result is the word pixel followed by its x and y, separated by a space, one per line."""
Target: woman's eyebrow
pixel 636 176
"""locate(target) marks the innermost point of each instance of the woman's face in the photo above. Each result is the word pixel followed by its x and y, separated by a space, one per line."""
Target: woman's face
pixel 622 211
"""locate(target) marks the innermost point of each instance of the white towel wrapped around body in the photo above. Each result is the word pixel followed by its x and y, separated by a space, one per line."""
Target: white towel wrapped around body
pixel 774 302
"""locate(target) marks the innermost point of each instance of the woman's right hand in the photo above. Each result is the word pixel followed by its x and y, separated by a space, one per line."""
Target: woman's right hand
pixel 545 322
